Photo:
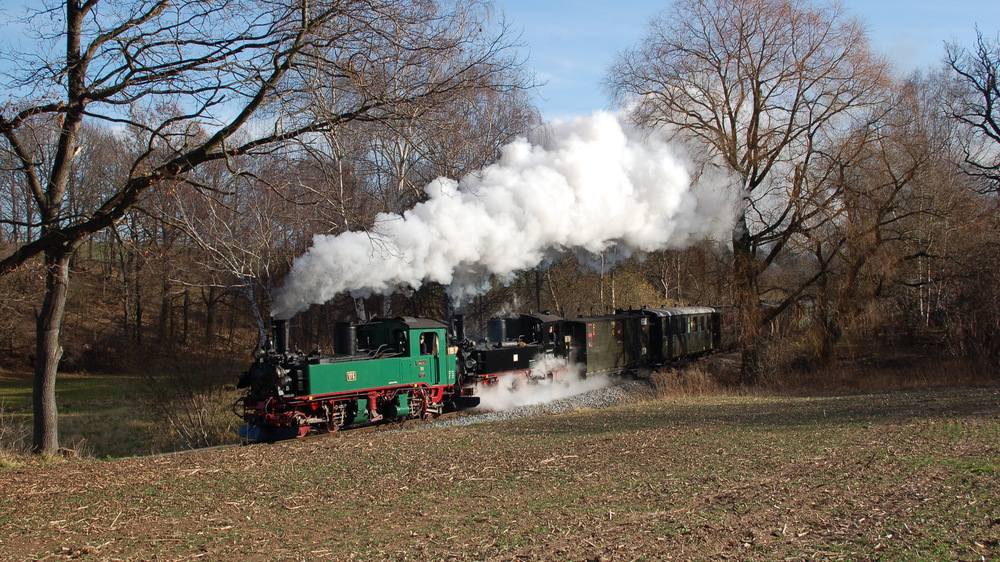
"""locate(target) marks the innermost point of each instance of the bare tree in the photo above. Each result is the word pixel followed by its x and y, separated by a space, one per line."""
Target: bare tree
pixel 975 104
pixel 972 101
pixel 235 228
pixel 756 84
pixel 893 183
pixel 204 81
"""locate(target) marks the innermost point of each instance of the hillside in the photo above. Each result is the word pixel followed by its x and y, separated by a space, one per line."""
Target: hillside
pixel 887 475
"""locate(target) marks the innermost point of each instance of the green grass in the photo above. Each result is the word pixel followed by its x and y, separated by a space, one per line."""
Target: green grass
pixel 100 415
pixel 96 417
pixel 73 390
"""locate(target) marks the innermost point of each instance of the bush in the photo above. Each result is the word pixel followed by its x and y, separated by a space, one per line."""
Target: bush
pixel 15 438
pixel 692 380
pixel 193 402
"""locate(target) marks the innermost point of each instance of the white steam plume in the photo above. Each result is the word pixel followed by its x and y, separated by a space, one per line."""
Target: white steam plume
pixel 511 391
pixel 589 184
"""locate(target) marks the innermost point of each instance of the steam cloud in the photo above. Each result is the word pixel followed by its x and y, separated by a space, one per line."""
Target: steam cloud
pixel 511 392
pixel 588 185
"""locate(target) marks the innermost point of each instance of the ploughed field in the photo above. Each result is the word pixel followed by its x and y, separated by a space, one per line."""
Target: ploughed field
pixel 893 475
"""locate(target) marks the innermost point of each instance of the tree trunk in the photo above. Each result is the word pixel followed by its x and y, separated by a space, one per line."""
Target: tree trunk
pixel 186 316
pixel 49 352
pixel 137 287
pixel 830 335
pixel 552 292
pixel 538 290
pixel 247 288
pixel 165 324
pixel 824 321
pixel 210 309
pixel 746 272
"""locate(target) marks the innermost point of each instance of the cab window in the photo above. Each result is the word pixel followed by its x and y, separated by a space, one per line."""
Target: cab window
pixel 428 343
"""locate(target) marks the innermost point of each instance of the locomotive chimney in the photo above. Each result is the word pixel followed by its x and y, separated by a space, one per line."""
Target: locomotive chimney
pixel 280 328
pixel 458 327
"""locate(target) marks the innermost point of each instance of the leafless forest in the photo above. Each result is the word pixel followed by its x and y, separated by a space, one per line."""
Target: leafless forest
pixel 162 164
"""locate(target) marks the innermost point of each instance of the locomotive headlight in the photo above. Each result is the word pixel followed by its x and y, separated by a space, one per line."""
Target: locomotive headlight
pixel 257 352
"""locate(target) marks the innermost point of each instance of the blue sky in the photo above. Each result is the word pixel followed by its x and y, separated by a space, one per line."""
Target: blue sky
pixel 572 42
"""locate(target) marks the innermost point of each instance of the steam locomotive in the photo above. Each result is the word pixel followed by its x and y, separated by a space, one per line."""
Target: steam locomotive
pixel 407 367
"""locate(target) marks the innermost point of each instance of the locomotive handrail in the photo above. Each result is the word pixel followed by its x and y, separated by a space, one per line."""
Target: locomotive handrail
pixel 241 400
pixel 385 350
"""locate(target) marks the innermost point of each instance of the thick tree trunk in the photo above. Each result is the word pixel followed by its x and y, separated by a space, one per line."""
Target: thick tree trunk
pixel 48 349
pixel 746 273
pixel 829 337
pixel 825 321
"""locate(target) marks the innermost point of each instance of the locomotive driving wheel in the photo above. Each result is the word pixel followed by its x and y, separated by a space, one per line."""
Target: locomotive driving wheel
pixel 428 408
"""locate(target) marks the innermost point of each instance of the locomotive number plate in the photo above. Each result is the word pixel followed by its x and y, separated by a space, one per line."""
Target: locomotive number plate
pixel 352 375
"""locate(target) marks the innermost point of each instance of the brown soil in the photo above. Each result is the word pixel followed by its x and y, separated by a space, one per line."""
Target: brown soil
pixel 912 475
